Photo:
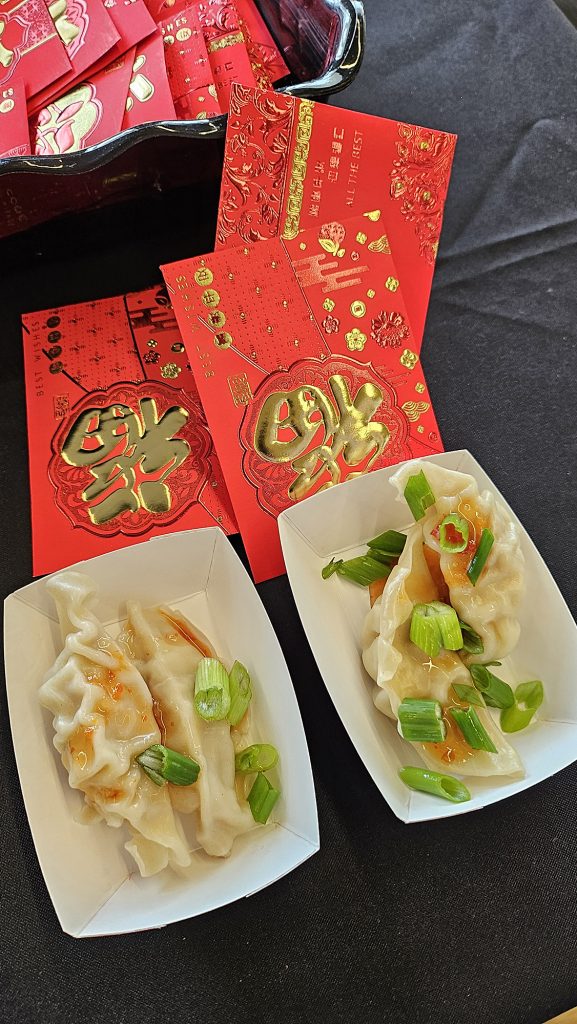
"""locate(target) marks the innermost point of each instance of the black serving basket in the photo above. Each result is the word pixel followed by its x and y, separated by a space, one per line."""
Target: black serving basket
pixel 322 44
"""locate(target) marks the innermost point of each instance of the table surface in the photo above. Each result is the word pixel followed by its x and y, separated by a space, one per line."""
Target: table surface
pixel 468 919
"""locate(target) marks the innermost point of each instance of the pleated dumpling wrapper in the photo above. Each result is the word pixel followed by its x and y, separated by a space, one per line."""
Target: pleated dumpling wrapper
pixel 400 669
pixel 103 718
pixel 491 606
pixel 167 649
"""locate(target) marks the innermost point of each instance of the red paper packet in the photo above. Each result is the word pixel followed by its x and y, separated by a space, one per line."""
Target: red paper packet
pixel 89 113
pixel 306 367
pixel 291 164
pixel 14 136
pixel 149 96
pixel 88 32
pixel 30 47
pixel 189 73
pixel 265 58
pixel 125 355
pixel 227 52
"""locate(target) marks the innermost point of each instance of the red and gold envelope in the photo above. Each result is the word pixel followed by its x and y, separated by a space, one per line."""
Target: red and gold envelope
pixel 149 96
pixel 265 58
pixel 14 135
pixel 189 72
pixel 89 113
pixel 119 448
pixel 306 367
pixel 30 47
pixel 225 43
pixel 88 32
pixel 291 164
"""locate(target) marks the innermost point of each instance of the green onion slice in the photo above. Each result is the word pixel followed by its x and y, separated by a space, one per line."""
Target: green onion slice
pixel 435 625
pixel 469 694
pixel 262 798
pixel 472 642
pixel 418 494
pixel 211 690
pixel 240 692
pixel 528 697
pixel 382 556
pixel 163 765
pixel 468 722
pixel 390 543
pixel 260 757
pixel 477 563
pixel 421 721
pixel 425 781
pixel 453 533
pixel 363 570
pixel 497 693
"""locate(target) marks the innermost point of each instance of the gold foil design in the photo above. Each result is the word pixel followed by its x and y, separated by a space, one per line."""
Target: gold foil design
pixel 380 245
pixel 183 34
pixel 6 106
pixel 217 318
pixel 203 276
pixel 140 86
pixel 373 215
pixel 356 340
pixel 177 347
pixel 346 426
pixel 68 121
pixel 392 284
pixel 223 339
pixel 371 293
pixel 409 359
pixel 116 440
pixel 358 308
pixel 329 305
pixel 299 168
pixel 67 31
pixel 230 40
pixel 361 237
pixel 420 387
pixel 170 371
pixel 152 343
pixel 240 388
pixel 210 298
pixel 414 410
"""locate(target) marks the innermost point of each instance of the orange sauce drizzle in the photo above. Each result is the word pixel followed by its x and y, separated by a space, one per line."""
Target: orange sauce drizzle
pixel 185 630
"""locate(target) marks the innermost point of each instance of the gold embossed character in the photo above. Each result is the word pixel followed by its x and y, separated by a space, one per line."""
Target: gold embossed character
pixel 122 446
pixel 347 427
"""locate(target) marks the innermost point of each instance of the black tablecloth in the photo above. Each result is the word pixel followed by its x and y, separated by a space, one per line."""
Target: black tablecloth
pixel 471 919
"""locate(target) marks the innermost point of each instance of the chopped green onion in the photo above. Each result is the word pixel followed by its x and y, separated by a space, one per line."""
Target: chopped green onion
pixel 497 693
pixel 477 563
pixel 382 556
pixel 418 494
pixel 262 798
pixel 390 543
pixel 425 781
pixel 469 694
pixel 421 721
pixel 467 720
pixel 363 570
pixel 260 757
pixel 528 697
pixel 472 642
pixel 162 765
pixel 435 625
pixel 240 692
pixel 211 690
pixel 453 533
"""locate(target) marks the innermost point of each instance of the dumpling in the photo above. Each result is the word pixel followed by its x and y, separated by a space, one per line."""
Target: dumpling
pixel 401 670
pixel 103 718
pixel 167 650
pixel 491 606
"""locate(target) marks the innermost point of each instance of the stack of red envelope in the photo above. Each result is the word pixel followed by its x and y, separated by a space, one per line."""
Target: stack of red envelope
pixel 285 362
pixel 76 72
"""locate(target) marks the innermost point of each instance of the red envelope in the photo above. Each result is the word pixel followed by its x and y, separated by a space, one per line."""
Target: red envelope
pixel 149 96
pixel 227 52
pixel 291 164
pixel 88 32
pixel 30 47
pixel 118 445
pixel 89 113
pixel 14 136
pixel 306 367
pixel 188 66
pixel 265 58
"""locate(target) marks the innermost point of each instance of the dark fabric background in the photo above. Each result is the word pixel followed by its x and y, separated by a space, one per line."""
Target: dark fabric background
pixel 468 920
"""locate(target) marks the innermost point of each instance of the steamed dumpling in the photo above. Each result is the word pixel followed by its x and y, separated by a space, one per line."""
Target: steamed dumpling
pixel 401 670
pixel 491 606
pixel 103 718
pixel 167 649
